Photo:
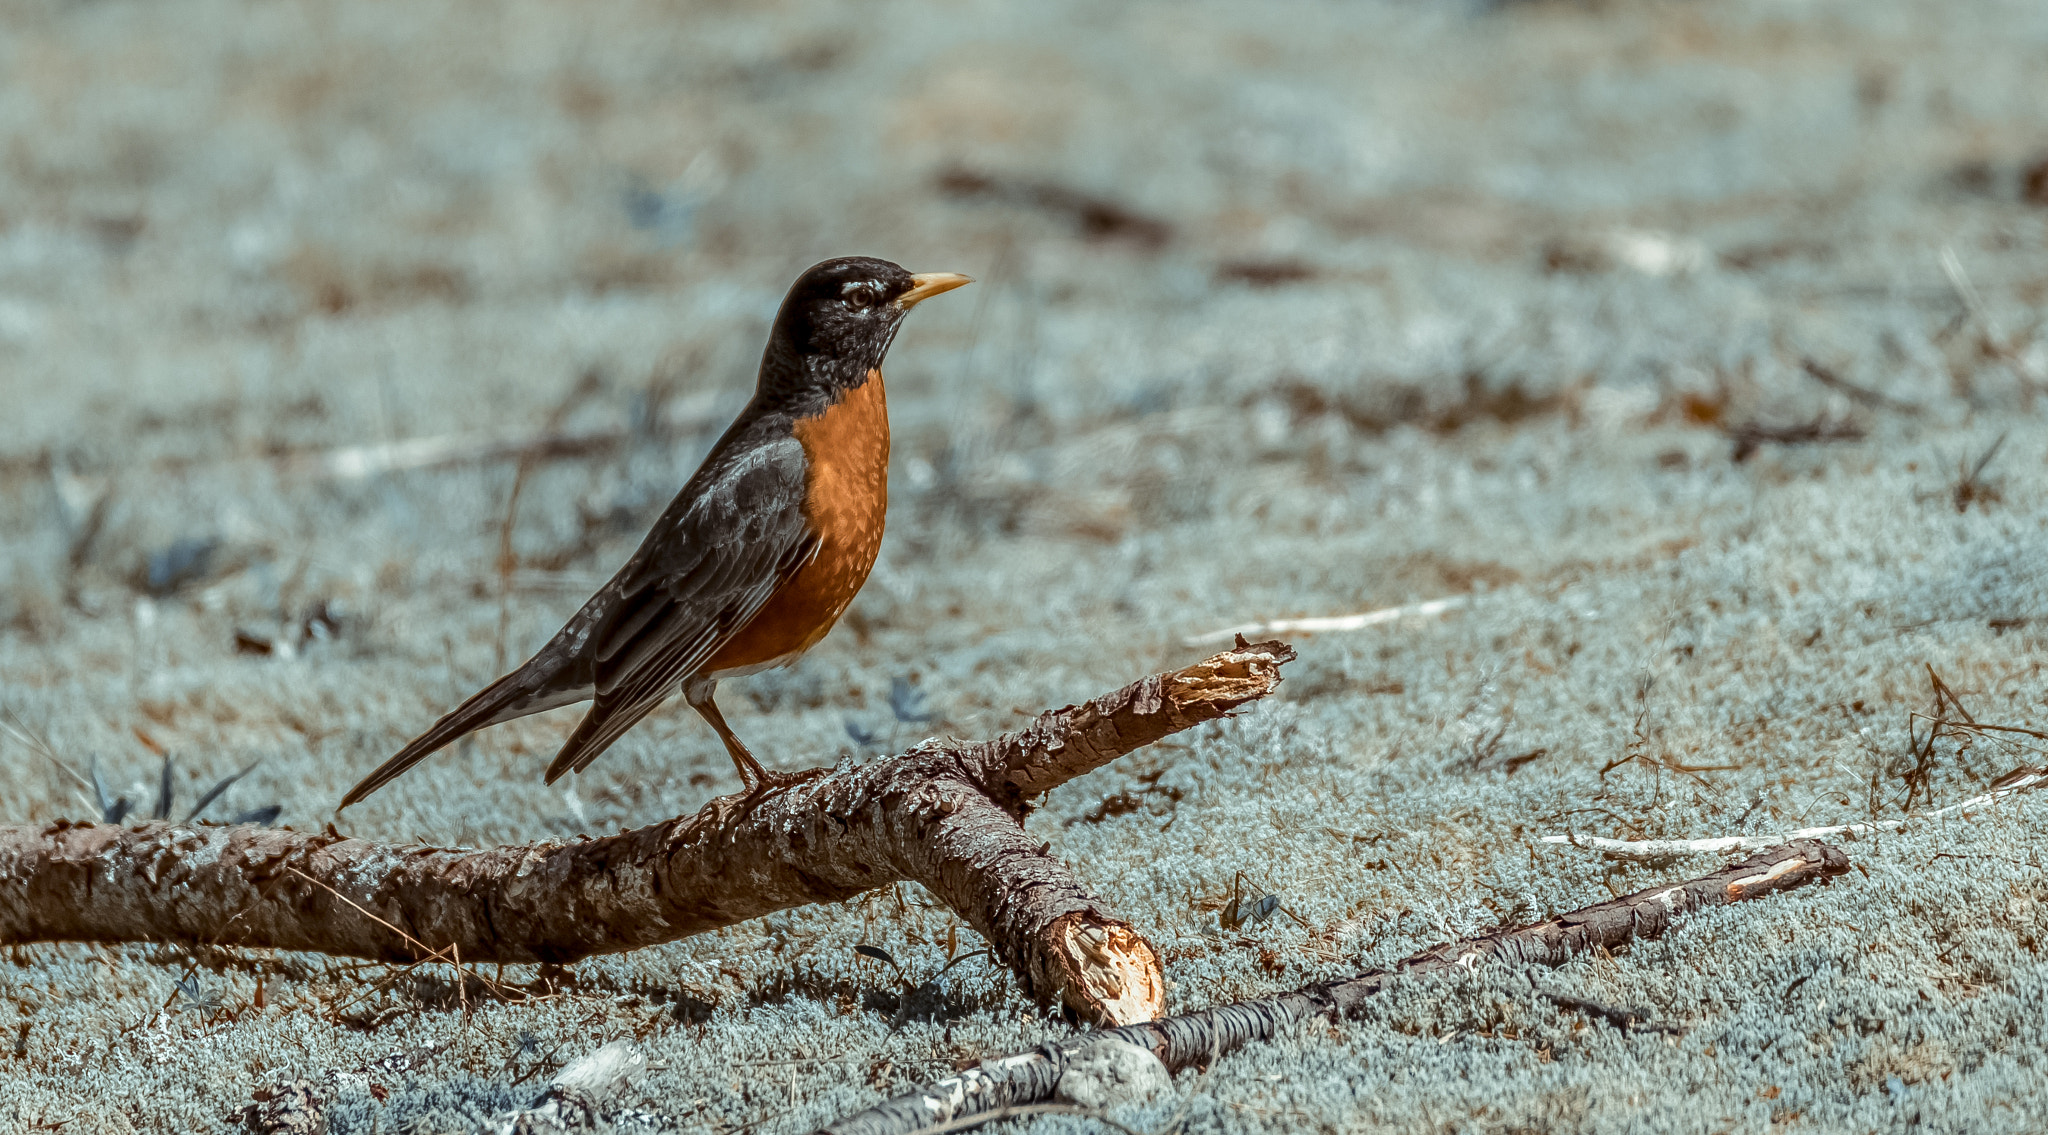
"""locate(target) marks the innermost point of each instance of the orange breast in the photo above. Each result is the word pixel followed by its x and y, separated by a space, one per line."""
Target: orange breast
pixel 845 499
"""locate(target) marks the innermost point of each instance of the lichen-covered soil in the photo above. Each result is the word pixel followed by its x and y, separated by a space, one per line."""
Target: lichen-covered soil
pixel 1699 346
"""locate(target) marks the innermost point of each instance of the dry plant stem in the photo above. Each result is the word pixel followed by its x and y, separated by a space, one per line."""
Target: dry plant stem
pixel 946 814
pixel 1199 1038
pixel 1651 850
pixel 508 558
pixel 1321 623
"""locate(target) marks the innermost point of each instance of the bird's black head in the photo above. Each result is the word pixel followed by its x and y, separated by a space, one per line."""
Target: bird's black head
pixel 839 317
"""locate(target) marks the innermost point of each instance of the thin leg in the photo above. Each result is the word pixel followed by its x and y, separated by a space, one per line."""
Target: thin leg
pixel 698 694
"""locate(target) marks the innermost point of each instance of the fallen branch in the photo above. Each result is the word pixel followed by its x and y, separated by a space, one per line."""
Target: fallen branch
pixel 946 814
pixel 1649 850
pixel 1318 623
pixel 1029 1078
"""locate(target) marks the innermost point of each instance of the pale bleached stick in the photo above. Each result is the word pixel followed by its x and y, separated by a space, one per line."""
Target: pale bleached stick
pixel 1316 623
pixel 1952 266
pixel 579 1097
pixel 358 462
pixel 1658 849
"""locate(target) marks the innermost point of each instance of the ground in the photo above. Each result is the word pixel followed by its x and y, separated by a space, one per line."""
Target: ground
pixel 1698 346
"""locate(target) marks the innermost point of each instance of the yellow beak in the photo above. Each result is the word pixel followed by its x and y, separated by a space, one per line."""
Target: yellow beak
pixel 929 284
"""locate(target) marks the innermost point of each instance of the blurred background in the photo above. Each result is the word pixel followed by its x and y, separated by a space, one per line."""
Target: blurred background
pixel 346 347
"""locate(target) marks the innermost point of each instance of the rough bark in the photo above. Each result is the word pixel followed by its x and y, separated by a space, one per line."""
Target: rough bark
pixel 946 814
pixel 1066 743
pixel 1197 1038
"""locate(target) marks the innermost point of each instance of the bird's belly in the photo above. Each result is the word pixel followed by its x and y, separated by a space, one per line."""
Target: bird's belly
pixel 846 498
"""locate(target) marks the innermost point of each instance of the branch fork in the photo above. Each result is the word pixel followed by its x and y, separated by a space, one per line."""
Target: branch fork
pixel 946 814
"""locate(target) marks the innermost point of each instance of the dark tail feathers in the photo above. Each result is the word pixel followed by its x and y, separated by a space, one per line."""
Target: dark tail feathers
pixel 596 732
pixel 512 696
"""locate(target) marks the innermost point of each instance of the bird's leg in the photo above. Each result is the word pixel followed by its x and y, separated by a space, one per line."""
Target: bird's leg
pixel 698 694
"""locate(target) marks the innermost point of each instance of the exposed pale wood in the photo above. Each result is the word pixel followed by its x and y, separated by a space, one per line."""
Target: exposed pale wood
pixel 579 1096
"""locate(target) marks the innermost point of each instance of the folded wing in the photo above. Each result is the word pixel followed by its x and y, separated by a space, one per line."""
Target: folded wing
pixel 701 575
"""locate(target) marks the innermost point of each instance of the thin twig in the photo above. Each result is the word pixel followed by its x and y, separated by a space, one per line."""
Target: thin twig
pixel 1863 395
pixel 1627 1020
pixel 1970 487
pixel 1993 338
pixel 17 729
pixel 1019 1111
pixel 415 943
pixel 1977 727
pixel 2019 780
pixel 1751 436
pixel 508 560
pixel 1314 624
pixel 427 955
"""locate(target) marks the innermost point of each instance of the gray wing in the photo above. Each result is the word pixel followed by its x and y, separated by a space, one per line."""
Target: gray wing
pixel 696 581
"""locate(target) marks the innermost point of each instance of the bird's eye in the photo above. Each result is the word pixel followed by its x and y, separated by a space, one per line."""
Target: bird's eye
pixel 862 295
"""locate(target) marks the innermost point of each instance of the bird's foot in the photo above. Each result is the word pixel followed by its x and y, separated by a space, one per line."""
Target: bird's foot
pixel 757 780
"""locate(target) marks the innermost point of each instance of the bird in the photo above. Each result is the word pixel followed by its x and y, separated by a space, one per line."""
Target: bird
pixel 758 555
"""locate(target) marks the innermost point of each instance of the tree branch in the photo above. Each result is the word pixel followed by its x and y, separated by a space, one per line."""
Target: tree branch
pixel 946 814
pixel 1198 1038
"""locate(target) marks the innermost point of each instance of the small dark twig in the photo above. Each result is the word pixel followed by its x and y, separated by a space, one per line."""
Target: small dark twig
pixel 1627 1020
pixel 1755 802
pixel 296 1106
pixel 164 790
pixel 83 537
pixel 1097 218
pixel 1861 395
pixel 1971 487
pixel 1752 436
pixel 588 383
pixel 1947 718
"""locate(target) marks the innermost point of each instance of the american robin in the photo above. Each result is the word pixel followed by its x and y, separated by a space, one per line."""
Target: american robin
pixel 759 554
